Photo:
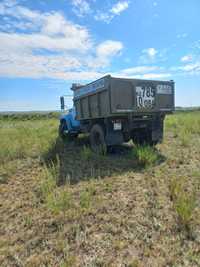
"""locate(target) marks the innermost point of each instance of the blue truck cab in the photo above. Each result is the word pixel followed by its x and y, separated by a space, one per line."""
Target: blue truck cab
pixel 69 126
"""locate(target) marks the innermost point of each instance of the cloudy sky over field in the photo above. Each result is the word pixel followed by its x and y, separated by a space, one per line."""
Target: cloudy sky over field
pixel 47 45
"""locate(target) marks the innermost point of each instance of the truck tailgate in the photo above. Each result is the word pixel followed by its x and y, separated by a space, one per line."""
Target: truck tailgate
pixel 133 95
pixel 154 96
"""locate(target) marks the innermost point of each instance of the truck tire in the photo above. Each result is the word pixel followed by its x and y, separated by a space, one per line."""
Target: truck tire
pixel 61 129
pixel 126 137
pixel 97 139
pixel 63 135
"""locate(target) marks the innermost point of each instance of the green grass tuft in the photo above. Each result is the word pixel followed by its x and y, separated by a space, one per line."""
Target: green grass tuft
pixel 22 139
pixel 86 153
pixel 184 202
pixel 185 137
pixel 184 206
pixel 59 201
pixel 145 155
pixel 48 181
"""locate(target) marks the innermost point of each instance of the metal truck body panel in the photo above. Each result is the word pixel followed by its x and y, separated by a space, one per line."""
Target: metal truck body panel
pixel 109 96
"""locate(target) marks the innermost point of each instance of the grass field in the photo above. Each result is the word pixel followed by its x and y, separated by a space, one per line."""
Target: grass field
pixel 62 206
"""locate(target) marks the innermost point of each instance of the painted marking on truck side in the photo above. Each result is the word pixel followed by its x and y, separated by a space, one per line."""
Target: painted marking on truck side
pixel 124 110
pixel 164 89
pixel 166 109
pixel 145 97
pixel 92 87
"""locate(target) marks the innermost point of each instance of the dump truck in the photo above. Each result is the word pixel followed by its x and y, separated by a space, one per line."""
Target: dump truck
pixel 115 110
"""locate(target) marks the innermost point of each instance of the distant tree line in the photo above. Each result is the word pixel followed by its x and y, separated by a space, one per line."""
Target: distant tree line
pixel 55 114
pixel 29 115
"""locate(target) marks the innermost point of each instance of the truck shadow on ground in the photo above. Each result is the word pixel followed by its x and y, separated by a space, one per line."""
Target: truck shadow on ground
pixel 76 162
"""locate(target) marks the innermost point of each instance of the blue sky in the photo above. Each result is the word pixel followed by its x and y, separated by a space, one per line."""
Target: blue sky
pixel 47 45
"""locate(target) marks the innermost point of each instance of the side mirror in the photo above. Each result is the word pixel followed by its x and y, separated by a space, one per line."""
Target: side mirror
pixel 62 102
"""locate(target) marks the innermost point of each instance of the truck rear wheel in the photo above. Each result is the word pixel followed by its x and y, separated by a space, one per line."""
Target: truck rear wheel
pixel 97 139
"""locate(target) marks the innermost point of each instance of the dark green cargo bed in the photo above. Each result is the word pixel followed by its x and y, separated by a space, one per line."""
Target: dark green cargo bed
pixel 109 96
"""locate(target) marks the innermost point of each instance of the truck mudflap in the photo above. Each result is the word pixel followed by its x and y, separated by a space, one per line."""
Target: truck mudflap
pixel 157 130
pixel 157 135
pixel 114 138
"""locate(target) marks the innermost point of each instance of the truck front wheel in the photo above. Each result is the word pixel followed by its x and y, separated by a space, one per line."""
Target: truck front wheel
pixel 63 132
pixel 97 139
pixel 62 128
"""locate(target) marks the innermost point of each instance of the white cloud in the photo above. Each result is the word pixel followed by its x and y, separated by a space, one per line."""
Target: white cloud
pixel 81 7
pixel 105 17
pixel 190 62
pixel 144 72
pixel 186 58
pixel 156 75
pixel 147 76
pixel 140 69
pixel 152 56
pixel 151 52
pixel 54 24
pixel 182 35
pixel 109 48
pixel 119 7
pixel 148 56
pixel 17 11
pixel 104 52
pixel 192 68
pixel 49 45
pixel 46 26
pixel 35 66
pixel 115 10
pixel 27 42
